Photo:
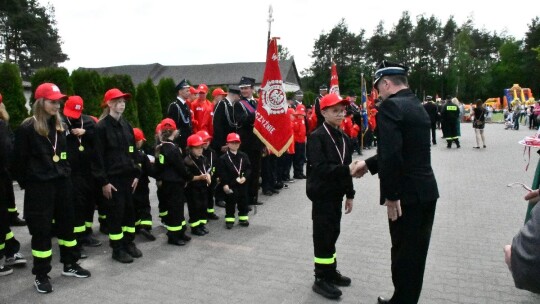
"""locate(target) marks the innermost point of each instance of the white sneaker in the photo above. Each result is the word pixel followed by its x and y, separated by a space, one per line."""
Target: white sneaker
pixel 5 270
pixel 16 259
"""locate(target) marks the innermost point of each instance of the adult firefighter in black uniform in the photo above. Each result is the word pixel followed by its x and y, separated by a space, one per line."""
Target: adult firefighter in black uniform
pixel 449 122
pixel 433 112
pixel 244 116
pixel 223 122
pixel 407 183
pixel 329 178
pixel 180 112
pixel 41 167
pixel 117 173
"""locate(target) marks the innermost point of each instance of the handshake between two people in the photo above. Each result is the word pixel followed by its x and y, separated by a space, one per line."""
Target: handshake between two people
pixel 358 168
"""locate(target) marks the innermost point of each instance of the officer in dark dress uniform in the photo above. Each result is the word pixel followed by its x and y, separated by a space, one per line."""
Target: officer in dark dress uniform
pixel 323 90
pixel 244 116
pixel 181 114
pixel 407 183
pixel 432 110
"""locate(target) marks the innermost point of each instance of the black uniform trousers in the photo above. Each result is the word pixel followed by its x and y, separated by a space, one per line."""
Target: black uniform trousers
pixel 172 195
pixel 210 192
pixel 197 198
pixel 161 202
pixel 84 195
pixel 46 202
pixel 120 213
pixel 326 229
pixel 10 197
pixel 8 244
pixel 410 236
pixel 299 158
pixel 237 199
pixel 434 132
pixel 254 157
pixel 141 202
pixel 269 165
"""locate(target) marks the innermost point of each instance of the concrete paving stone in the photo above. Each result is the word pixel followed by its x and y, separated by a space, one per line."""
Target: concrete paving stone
pixel 271 261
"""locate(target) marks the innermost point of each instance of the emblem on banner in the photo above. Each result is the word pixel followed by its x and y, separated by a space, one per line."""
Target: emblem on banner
pixel 273 97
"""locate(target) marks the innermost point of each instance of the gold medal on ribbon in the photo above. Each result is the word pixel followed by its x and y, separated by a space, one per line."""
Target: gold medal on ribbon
pixel 56 158
pixel 81 148
pixel 239 180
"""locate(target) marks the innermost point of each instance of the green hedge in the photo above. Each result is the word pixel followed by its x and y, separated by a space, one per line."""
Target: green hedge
pixel 13 93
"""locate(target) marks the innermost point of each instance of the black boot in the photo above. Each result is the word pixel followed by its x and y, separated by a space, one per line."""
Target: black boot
pixel 121 256
pixel 457 143
pixel 340 280
pixel 326 289
pixel 132 250
pixel 14 220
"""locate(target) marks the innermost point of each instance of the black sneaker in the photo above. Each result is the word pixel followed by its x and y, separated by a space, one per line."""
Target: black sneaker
pixel 176 241
pixel 184 237
pixel 82 253
pixel 229 225
pixel 122 256
pixel 340 280
pixel 204 229
pixel 90 241
pixel 132 250
pixel 75 270
pixel 16 260
pixel 244 223
pixel 42 283
pixel 326 289
pixel 197 231
pixel 212 216
pixel 147 234
pixel 5 270
pixel 221 204
pixel 16 221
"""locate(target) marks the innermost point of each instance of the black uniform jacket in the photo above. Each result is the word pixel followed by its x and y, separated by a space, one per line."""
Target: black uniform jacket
pixel 403 158
pixel 6 147
pixel 432 110
pixel 34 153
pixel 115 150
pixel 147 169
pixel 227 171
pixel 195 165
pixel 80 160
pixel 328 179
pixel 169 164
pixel 245 119
pixel 223 122
pixel 179 112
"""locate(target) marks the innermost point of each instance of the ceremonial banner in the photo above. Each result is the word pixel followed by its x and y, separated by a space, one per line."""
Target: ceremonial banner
pixel 365 110
pixel 334 83
pixel 272 123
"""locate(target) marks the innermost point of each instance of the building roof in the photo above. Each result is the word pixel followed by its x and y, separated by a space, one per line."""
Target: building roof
pixel 211 74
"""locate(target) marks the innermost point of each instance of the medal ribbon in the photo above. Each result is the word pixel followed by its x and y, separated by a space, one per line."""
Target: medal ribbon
pixel 341 156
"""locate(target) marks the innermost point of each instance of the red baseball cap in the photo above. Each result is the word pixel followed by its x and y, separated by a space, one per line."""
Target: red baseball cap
pixel 192 90
pixel 202 88
pixel 194 140
pixel 73 107
pixel 167 124
pixel 233 137
pixel 139 135
pixel 113 93
pixel 158 128
pixel 204 135
pixel 332 99
pixel 218 91
pixel 49 91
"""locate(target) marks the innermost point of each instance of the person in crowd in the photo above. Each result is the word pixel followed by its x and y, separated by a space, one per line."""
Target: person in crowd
pixel 117 173
pixel 449 118
pixel 522 256
pixel 141 196
pixel 202 110
pixel 9 246
pixel 41 167
pixel 197 190
pixel 329 179
pixel 235 172
pixel 431 109
pixel 180 112
pixel 316 117
pixel 479 122
pixel 80 148
pixel 407 184
pixel 300 131
pixel 212 159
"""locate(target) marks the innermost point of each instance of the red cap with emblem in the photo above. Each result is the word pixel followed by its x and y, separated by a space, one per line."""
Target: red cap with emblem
pixel 233 137
pixel 74 107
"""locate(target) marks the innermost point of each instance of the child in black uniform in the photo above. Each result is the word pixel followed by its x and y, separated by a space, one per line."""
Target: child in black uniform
pixel 234 171
pixel 174 175
pixel 141 196
pixel 197 190
pixel 329 178
pixel 211 157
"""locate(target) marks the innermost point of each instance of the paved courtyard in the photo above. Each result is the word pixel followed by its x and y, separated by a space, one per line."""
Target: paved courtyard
pixel 271 260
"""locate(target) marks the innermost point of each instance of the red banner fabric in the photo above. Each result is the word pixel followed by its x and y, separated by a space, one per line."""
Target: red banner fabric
pixel 272 123
pixel 334 82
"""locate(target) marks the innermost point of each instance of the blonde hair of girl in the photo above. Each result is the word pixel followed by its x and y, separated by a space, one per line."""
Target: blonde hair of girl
pixel 40 124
